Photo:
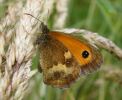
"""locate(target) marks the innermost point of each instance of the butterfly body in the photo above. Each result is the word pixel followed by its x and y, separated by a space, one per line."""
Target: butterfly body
pixel 63 57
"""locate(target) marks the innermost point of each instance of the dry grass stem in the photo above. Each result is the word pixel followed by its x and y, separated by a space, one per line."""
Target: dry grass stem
pixel 2 43
pixel 113 74
pixel 62 13
pixel 17 73
pixel 7 26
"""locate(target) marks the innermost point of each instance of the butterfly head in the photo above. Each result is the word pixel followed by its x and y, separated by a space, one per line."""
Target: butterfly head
pixel 44 36
pixel 44 28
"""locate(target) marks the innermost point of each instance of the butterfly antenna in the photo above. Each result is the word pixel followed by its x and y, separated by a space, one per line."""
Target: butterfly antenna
pixel 43 26
pixel 33 17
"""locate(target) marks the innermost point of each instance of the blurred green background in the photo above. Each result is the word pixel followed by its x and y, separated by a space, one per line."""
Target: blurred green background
pixel 105 18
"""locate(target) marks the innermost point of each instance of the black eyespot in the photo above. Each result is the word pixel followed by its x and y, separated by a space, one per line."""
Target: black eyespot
pixel 85 54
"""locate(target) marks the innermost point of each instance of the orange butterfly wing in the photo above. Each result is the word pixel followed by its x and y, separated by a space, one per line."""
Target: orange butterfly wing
pixel 76 47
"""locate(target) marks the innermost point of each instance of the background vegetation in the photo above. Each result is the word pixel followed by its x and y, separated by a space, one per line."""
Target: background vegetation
pixel 105 18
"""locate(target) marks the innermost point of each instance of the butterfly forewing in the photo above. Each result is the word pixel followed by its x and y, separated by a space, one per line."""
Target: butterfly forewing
pixel 77 46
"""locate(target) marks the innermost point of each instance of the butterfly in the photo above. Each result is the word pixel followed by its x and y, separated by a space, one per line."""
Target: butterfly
pixel 65 57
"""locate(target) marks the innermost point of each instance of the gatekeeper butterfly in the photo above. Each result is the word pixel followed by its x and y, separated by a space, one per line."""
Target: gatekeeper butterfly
pixel 65 57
